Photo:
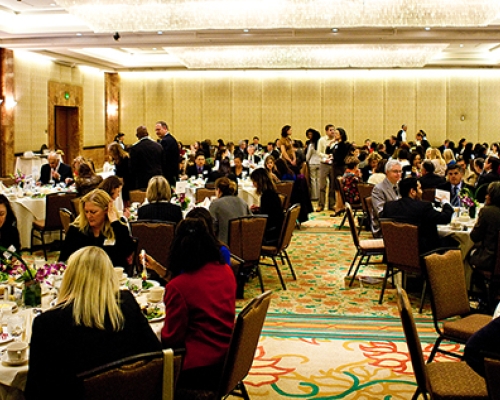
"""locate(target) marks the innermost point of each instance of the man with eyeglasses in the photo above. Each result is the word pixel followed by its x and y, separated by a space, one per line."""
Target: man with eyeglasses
pixel 385 191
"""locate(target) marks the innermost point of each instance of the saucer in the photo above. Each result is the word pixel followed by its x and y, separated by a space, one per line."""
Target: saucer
pixel 6 361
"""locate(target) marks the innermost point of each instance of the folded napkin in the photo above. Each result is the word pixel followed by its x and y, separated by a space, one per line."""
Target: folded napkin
pixel 205 203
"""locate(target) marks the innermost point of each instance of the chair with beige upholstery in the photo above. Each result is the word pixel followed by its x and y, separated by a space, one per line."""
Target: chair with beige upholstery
pixel 137 196
pixel 202 193
pixel 365 191
pixel 283 242
pixel 239 358
pixel 365 249
pixel 369 212
pixel 67 218
pixel 52 222
pixel 286 188
pixel 245 241
pixel 444 380
pixel 449 300
pixel 492 376
pixel 75 206
pixel 148 376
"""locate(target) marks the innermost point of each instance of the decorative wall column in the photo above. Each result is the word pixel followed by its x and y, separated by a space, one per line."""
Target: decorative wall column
pixel 7 158
pixel 112 105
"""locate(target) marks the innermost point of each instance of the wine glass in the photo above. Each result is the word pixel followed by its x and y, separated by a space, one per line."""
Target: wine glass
pixel 16 326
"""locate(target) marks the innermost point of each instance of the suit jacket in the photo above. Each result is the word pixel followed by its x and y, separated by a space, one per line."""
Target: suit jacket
pixel 192 170
pixel 431 181
pixel 256 159
pixel 422 214
pixel 161 211
pixel 146 161
pixel 485 237
pixel 64 172
pixel 487 178
pixel 381 194
pixel 171 158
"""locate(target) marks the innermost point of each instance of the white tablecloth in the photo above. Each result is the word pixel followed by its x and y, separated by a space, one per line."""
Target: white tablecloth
pixel 27 210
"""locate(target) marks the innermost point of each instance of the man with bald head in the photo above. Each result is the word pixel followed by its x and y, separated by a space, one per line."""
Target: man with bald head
pixel 55 171
pixel 146 159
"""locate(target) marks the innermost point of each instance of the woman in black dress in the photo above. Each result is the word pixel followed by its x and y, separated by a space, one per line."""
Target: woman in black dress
pixel 122 169
pixel 159 207
pixel 9 235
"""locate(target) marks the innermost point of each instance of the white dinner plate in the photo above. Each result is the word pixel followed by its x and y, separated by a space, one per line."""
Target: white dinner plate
pixel 158 319
pixel 6 361
pixel 8 304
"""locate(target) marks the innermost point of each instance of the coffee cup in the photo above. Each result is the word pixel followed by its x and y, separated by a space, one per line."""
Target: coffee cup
pixel 119 273
pixel 155 294
pixel 17 351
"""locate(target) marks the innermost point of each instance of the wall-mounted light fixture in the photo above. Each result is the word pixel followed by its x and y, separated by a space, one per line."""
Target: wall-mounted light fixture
pixel 462 117
pixel 10 103
pixel 112 109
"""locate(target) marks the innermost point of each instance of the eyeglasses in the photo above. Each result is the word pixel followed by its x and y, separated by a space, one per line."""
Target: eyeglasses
pixel 396 171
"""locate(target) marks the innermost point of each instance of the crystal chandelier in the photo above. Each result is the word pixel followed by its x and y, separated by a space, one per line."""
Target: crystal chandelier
pixel 154 15
pixel 313 56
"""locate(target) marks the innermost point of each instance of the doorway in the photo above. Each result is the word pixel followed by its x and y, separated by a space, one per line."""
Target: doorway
pixel 66 131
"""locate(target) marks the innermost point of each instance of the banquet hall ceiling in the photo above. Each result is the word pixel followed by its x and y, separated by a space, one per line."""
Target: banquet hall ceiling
pixel 44 27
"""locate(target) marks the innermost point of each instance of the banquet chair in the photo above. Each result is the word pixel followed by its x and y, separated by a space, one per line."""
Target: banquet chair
pixel 52 222
pixel 7 182
pixel 443 380
pixel 365 190
pixel 364 248
pixel 155 238
pixel 241 353
pixel 369 213
pixel 492 377
pixel 137 196
pixel 245 242
pixel 279 250
pixel 75 206
pixel 286 188
pixel 147 376
pixel 202 193
pixel 449 299
pixel 355 207
pixel 283 198
pixel 67 218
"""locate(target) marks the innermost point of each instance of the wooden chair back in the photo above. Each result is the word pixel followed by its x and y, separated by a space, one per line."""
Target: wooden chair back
pixel 285 187
pixel 67 218
pixel 137 196
pixel 202 193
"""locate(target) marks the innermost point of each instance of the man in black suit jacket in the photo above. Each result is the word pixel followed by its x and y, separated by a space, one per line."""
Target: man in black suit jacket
pixel 490 173
pixel 401 137
pixel 411 209
pixel 146 159
pixel 170 153
pixel 430 180
pixel 55 171
pixel 199 167
pixel 455 184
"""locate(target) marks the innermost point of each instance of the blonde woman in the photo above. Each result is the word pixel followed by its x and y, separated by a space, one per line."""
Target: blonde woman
pixel 435 156
pixel 449 157
pixel 159 207
pixel 98 225
pixel 92 324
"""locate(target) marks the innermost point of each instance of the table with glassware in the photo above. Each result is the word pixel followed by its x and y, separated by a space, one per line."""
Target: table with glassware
pixel 30 165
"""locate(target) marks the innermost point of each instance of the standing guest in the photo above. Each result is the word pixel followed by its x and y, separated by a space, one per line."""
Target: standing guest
pixel 287 152
pixel 238 169
pixel 270 204
pixel 146 159
pixel 113 185
pixel 430 180
pixel 199 168
pixel 401 137
pixel 95 324
pixel 9 235
pixel 170 152
pixel 98 225
pixel 313 160
pixel 226 207
pixel 122 169
pixel 339 153
pixel 326 177
pixel 87 180
pixel 55 171
pixel 159 207
pixel 199 305
pixel 385 191
pixel 379 175
pixel 119 140
pixel 371 166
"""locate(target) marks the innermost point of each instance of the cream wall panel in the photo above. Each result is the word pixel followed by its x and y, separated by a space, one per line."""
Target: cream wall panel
pixel 399 106
pixel 132 112
pixel 188 103
pixel 306 106
pixel 431 109
pixel 276 106
pixel 246 111
pixel 463 99
pixel 216 109
pixel 368 108
pixel 158 99
pixel 93 97
pixel 337 104
pixel 489 110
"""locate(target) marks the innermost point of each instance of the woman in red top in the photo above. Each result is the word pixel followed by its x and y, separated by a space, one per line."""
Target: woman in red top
pixel 199 305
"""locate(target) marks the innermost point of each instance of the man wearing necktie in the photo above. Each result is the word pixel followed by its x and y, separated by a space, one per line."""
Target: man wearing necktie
pixel 455 183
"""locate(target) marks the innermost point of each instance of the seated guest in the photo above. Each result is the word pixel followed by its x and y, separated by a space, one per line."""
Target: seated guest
pixel 199 305
pixel 283 170
pixel 113 185
pixel 270 205
pixel 252 159
pixel 224 171
pixel 159 207
pixel 455 184
pixel 379 174
pixel 199 168
pixel 270 166
pixel 477 169
pixel 370 167
pixel 239 170
pixel 412 210
pixel 98 225
pixel 94 324
pixel 86 180
pixel 490 172
pixel 351 178
pixel 482 344
pixel 9 235
pixel 430 180
pixel 485 232
pixel 55 171
pixel 225 207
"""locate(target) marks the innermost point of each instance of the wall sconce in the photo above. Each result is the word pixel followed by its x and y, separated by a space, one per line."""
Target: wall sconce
pixel 10 103
pixel 112 109
pixel 462 117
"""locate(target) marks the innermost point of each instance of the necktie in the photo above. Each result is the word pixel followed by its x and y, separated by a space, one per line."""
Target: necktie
pixel 455 200
pixel 396 190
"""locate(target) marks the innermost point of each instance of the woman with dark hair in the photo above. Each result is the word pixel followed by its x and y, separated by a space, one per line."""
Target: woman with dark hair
pixel 226 207
pixel 199 305
pixel 313 160
pixel 9 235
pixel 461 146
pixel 283 171
pixel 415 166
pixel 370 166
pixel 122 169
pixel 239 170
pixel 339 152
pixel 494 149
pixel 468 153
pixel 270 204
pixel 224 171
pixel 287 151
pixel 113 185
pixel 159 207
pixel 86 180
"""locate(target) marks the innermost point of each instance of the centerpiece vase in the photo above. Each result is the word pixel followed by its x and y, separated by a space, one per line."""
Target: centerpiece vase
pixel 32 294
pixel 472 212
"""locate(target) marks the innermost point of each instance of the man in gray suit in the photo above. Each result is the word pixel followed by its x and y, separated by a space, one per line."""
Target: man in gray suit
pixel 385 191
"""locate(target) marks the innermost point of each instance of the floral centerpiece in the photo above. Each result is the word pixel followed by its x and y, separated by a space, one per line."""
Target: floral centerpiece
pixel 19 177
pixel 182 200
pixel 468 200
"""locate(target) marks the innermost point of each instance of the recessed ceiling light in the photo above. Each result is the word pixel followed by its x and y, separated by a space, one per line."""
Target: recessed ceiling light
pixel 245 30
pixel 335 30
pixel 461 45
pixel 160 32
pixel 427 28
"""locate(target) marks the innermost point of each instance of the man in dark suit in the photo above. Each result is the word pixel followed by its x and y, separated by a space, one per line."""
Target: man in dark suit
pixel 199 167
pixel 241 149
pixel 430 180
pixel 146 159
pixel 401 137
pixel 455 183
pixel 251 158
pixel 55 171
pixel 490 173
pixel 170 153
pixel 411 209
